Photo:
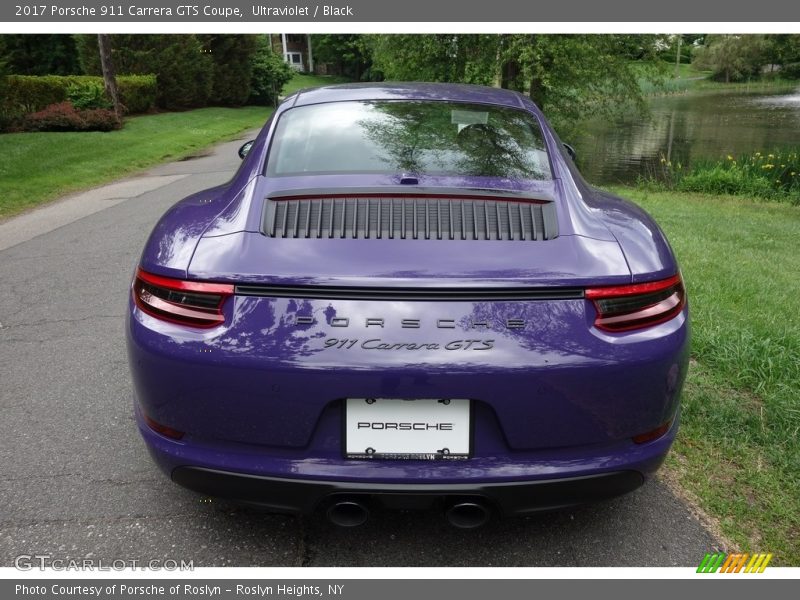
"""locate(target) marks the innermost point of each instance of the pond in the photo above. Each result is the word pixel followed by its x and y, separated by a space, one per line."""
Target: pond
pixel 684 129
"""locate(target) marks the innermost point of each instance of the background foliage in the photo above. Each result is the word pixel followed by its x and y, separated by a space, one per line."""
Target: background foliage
pixel 268 76
pixel 568 76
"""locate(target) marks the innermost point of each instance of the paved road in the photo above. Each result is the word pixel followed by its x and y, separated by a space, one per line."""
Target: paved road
pixel 76 479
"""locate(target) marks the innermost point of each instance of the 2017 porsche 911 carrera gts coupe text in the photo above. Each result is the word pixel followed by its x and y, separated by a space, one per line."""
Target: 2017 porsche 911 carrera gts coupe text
pixel 407 296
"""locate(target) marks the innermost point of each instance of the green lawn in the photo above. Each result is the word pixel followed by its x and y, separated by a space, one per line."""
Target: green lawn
pixel 300 81
pixel 692 79
pixel 689 72
pixel 738 450
pixel 37 167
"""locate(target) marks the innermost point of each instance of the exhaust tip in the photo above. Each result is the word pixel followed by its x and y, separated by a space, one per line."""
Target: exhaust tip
pixel 348 513
pixel 467 515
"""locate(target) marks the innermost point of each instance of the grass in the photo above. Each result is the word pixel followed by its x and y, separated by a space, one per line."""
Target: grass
pixel 691 79
pixel 37 167
pixel 302 80
pixel 738 450
pixel 765 175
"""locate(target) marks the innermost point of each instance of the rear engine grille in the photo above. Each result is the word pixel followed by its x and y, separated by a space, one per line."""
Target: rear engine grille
pixel 410 218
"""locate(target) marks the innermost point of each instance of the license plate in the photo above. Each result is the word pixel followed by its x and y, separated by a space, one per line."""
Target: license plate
pixel 389 428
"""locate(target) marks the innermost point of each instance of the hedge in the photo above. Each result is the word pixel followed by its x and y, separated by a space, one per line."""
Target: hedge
pixel 64 117
pixel 26 94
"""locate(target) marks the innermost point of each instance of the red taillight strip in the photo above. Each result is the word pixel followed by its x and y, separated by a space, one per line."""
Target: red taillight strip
pixel 172 312
pixel 181 313
pixel 633 289
pixel 656 433
pixel 185 286
pixel 163 429
pixel 647 317
pixel 617 310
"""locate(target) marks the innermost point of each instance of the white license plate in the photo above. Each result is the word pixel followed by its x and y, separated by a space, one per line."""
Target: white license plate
pixel 389 428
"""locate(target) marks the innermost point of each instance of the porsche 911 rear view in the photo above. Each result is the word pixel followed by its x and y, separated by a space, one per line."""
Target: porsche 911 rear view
pixel 407 297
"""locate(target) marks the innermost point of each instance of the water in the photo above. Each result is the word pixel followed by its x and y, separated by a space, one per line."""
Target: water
pixel 685 128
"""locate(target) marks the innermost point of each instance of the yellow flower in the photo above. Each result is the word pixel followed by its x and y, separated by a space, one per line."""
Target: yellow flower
pixel 730 157
pixel 770 156
pixel 758 153
pixel 663 160
pixel 793 173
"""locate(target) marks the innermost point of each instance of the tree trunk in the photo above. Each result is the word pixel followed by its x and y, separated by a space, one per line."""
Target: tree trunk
pixel 511 76
pixel 109 74
pixel 537 92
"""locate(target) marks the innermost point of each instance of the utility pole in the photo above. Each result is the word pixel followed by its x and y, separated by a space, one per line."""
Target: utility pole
pixel 109 74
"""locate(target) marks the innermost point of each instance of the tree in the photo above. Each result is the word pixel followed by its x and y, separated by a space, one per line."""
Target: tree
pixel 109 73
pixel 733 57
pixel 4 118
pixel 568 76
pixel 269 74
pixel 184 72
pixel 348 52
pixel 39 54
pixel 437 57
pixel 232 56
pixel 784 51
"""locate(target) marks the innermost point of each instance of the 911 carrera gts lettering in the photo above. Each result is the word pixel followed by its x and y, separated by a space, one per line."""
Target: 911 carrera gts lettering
pixel 378 344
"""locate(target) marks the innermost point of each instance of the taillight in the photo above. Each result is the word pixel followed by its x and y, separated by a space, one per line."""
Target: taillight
pixel 627 307
pixel 192 303
pixel 163 429
pixel 656 433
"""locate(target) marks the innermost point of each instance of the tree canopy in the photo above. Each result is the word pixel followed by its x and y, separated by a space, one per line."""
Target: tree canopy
pixel 568 76
pixel 40 54
pixel 348 52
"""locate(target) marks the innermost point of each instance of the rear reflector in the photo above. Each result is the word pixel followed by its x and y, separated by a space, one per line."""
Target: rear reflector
pixel 656 433
pixel 192 303
pixel 628 307
pixel 163 429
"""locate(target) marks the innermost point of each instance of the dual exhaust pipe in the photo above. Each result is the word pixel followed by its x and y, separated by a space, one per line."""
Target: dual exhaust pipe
pixel 464 514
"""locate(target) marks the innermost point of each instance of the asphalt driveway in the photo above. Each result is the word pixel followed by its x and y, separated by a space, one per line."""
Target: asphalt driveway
pixel 76 480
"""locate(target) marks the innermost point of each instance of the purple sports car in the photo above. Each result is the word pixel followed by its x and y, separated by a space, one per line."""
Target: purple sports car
pixel 407 297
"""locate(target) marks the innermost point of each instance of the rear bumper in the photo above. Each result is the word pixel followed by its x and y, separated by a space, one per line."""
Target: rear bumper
pixel 300 482
pixel 302 496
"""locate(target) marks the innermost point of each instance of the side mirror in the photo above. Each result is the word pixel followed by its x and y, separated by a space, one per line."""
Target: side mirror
pixel 571 151
pixel 245 148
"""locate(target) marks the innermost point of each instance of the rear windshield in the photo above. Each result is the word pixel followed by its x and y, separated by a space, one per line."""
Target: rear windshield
pixel 423 138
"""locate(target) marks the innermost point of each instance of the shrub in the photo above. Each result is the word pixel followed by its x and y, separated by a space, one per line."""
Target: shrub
pixel 791 70
pixel 270 74
pixel 232 57
pixel 29 94
pixel 64 117
pixel 137 92
pixel 771 176
pixel 184 72
pixel 88 94
pixel 100 119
